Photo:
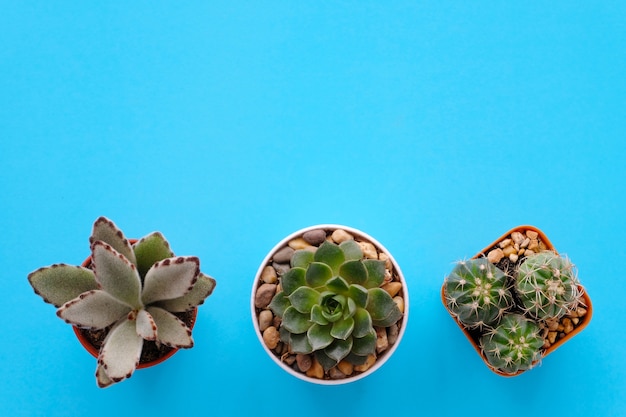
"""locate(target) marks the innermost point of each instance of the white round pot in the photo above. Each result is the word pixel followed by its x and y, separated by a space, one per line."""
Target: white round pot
pixel 396 273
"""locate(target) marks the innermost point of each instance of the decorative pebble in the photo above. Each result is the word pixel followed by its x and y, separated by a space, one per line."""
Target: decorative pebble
pixel 517 237
pixel 384 257
pixel 268 275
pixel 509 250
pixel 316 370
pixel 314 237
pixel 345 367
pixel 392 288
pixel 382 343
pixel 495 256
pixel 392 334
pixel 552 337
pixel 284 255
pixel 399 302
pixel 304 362
pixel 532 234
pixel 271 337
pixel 264 295
pixel 533 245
pixel 335 373
pixel 514 257
pixel 281 268
pixel 265 319
pixel 369 250
pixel 505 243
pixel 568 326
pixel 298 243
pixel 525 243
pixel 341 235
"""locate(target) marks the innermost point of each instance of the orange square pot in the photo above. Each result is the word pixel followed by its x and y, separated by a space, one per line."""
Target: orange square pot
pixel 581 325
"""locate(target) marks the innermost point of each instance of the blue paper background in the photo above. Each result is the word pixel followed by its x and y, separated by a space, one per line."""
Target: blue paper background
pixel 433 126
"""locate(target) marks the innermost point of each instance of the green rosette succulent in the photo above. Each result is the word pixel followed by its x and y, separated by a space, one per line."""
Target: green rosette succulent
pixel 547 286
pixel 132 290
pixel 331 301
pixel 514 345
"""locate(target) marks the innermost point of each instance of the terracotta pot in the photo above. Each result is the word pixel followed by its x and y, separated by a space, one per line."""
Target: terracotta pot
pixel 89 347
pixel 581 325
pixel 358 235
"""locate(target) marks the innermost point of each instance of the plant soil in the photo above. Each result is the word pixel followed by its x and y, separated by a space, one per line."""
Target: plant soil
pixel 151 350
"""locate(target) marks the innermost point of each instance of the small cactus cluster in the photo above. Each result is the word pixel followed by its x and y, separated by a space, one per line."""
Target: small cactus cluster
pixel 133 291
pixel 508 312
pixel 330 302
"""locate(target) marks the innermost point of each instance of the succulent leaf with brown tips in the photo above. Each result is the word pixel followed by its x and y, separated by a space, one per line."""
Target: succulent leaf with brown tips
pixel 135 289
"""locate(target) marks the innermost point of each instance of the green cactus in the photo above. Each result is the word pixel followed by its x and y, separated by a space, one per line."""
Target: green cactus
pixel 477 293
pixel 514 345
pixel 547 286
pixel 133 290
pixel 330 302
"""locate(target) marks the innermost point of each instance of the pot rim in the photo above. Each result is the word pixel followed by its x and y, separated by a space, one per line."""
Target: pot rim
pixel 551 348
pixel 380 361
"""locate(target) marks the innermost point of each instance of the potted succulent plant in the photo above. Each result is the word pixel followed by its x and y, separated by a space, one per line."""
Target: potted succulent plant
pixel 129 299
pixel 329 304
pixel 517 301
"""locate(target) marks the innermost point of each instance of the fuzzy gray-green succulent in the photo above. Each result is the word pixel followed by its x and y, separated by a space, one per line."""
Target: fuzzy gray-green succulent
pixel 133 289
pixel 330 302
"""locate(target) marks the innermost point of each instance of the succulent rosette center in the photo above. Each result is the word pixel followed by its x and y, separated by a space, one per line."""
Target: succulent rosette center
pixel 330 302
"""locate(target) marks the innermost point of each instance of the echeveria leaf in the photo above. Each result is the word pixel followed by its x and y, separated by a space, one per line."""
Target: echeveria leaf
pixel 106 231
pixel 301 258
pixel 116 275
pixel 342 329
pixel 201 290
pixel 149 250
pixel 325 360
pixel 317 316
pixel 304 298
pixel 337 285
pixel 331 255
pixel 95 309
pixel 339 349
pixel 350 308
pixel 356 359
pixel 170 278
pixel 296 322
pixel 300 343
pixel 319 336
pixel 146 327
pixel 121 351
pixel 351 250
pixel 359 294
pixel 375 273
pixel 353 272
pixel 365 345
pixel 60 283
pixel 293 279
pixel 362 323
pixel 171 331
pixel 383 310
pixel 318 274
pixel 279 303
